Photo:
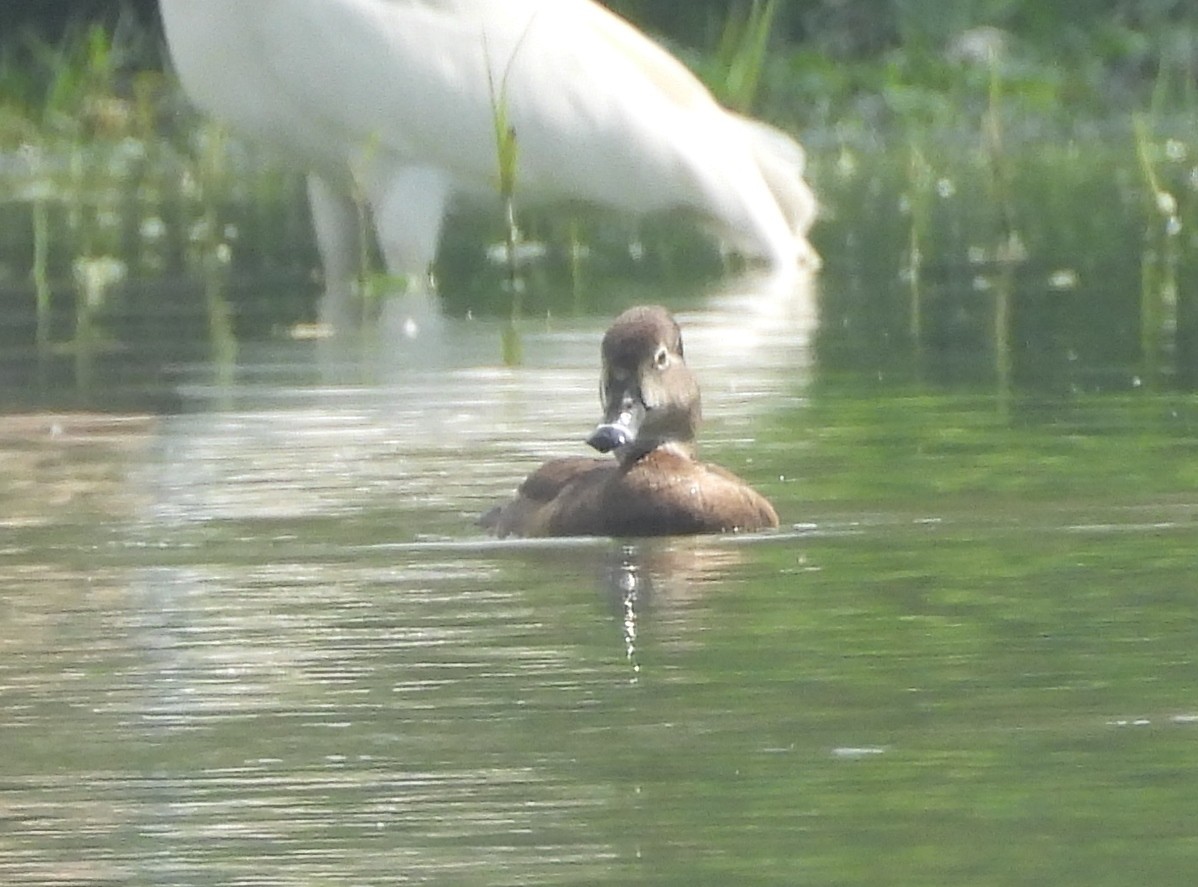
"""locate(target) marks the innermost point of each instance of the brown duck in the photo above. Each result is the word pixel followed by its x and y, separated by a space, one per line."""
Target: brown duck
pixel 655 486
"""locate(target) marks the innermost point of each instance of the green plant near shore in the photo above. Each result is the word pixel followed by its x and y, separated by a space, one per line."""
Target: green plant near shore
pixel 1003 204
pixel 102 167
pixel 68 146
pixel 741 54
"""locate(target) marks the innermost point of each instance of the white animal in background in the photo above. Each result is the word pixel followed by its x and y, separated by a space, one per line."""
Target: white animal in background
pixel 395 101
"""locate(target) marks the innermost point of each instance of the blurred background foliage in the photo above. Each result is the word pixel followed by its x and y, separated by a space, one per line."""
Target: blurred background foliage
pixel 828 59
pixel 1020 115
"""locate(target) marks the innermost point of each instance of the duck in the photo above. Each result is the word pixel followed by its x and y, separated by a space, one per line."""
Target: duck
pixel 655 485
pixel 393 108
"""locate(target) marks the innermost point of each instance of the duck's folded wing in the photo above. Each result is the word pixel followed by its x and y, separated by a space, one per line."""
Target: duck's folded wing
pixel 531 510
pixel 546 482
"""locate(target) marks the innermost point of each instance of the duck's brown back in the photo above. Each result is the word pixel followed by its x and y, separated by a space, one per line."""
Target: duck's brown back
pixel 665 493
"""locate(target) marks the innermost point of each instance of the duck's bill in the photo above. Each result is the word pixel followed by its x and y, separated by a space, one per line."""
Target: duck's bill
pixel 618 430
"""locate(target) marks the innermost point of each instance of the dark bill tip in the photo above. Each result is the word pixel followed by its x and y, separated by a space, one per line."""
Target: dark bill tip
pixel 608 437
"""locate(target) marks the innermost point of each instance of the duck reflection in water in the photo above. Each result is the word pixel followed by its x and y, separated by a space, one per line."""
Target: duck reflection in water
pixel 655 486
pixel 666 582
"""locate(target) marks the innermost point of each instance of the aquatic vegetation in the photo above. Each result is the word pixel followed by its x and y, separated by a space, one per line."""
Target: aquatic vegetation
pixel 1159 260
pixel 100 168
pixel 958 166
pixel 741 54
pixel 1009 220
pixel 507 154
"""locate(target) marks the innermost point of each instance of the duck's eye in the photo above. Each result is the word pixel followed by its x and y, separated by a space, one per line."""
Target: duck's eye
pixel 661 359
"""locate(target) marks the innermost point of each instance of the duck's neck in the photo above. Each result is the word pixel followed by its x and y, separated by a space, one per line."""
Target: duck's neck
pixel 683 449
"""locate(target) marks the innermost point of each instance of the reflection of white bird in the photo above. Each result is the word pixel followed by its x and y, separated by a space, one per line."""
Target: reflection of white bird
pixel 396 100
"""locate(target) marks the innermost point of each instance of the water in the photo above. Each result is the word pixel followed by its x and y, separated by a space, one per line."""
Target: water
pixel 256 637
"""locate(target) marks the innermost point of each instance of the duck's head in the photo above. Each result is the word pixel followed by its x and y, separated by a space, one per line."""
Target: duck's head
pixel 650 397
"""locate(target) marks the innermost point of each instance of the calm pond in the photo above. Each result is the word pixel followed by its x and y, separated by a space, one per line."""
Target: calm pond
pixel 252 635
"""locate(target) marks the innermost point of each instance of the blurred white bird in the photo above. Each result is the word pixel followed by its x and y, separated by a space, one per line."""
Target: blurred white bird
pixel 395 101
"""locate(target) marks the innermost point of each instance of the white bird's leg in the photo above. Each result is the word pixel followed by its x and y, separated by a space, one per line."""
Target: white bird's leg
pixel 337 222
pixel 409 206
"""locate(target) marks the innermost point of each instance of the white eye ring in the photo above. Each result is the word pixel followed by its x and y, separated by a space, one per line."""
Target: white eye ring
pixel 661 359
